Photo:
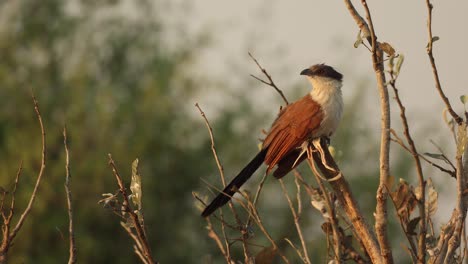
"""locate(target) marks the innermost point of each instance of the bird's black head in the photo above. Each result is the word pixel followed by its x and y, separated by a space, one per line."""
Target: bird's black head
pixel 322 70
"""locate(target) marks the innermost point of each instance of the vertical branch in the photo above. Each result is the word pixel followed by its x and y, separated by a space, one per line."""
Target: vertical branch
pixel 71 233
pixel 382 195
pixel 26 211
pixel 258 220
pixel 446 101
pixel 460 216
pixel 135 220
pixel 422 184
pixel 296 223
pixel 331 212
pixel 244 232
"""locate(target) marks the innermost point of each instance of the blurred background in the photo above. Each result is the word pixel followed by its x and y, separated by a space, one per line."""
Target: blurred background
pixel 124 76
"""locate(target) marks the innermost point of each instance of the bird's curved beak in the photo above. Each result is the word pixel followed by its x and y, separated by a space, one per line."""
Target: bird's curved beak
pixel 307 72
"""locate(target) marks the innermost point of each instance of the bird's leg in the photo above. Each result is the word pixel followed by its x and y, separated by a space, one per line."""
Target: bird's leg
pixel 318 147
pixel 304 147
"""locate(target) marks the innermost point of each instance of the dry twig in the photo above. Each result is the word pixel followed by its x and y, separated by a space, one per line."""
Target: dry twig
pixel 9 236
pixel 296 216
pixel 377 61
pixel 421 254
pixel 71 233
pixel 241 226
pixel 140 237
pixel 270 80
pixel 435 72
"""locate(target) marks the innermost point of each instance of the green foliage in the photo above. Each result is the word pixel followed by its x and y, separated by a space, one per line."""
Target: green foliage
pixel 119 89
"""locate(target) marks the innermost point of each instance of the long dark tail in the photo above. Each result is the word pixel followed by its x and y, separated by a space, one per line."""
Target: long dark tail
pixel 235 184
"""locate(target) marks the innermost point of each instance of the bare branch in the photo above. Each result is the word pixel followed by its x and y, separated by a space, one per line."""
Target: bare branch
pixel 13 192
pixel 330 209
pixel 135 219
pixel 243 231
pixel 212 234
pixel 377 60
pixel 305 255
pixel 435 72
pixel 422 184
pixel 71 233
pixel 349 204
pixel 270 83
pixel 26 211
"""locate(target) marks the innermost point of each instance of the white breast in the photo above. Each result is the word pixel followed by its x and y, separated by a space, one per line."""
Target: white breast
pixel 327 92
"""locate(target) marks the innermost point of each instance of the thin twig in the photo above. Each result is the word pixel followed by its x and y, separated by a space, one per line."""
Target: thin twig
pixel 400 142
pixel 270 83
pixel 242 229
pixel 212 234
pixel 13 192
pixel 256 217
pixel 296 223
pixel 71 233
pixel 422 183
pixel 26 211
pixel 135 219
pixel 330 209
pixel 298 252
pixel 435 72
pixel 138 248
pixel 446 159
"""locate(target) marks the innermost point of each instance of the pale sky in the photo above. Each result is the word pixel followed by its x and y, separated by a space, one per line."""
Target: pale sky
pixel 287 36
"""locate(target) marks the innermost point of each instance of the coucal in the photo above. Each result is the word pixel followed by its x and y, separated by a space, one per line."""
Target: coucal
pixel 313 116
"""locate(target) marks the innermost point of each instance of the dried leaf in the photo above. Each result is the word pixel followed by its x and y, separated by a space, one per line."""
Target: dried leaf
pixel 432 195
pixel 109 200
pixel 387 48
pixel 327 228
pixel 404 199
pixel 411 226
pixel 358 40
pixel 266 256
pixel 464 99
pixel 391 62
pixel 135 185
pixel 401 59
pixel 435 155
pixel 462 139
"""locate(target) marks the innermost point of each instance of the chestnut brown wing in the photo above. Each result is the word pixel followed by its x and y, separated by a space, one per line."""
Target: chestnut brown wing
pixel 295 124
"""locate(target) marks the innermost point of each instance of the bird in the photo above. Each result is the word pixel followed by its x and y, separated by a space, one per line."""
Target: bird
pixel 315 115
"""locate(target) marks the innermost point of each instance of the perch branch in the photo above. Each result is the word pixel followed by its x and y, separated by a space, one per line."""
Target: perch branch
pixel 350 206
